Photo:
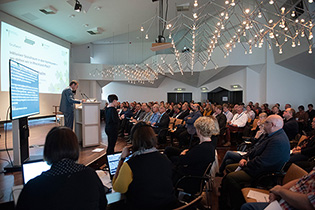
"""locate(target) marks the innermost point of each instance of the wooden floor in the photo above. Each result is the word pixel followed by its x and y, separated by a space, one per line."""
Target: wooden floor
pixel 38 131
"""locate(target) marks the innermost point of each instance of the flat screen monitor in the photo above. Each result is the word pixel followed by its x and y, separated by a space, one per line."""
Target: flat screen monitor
pixel 24 91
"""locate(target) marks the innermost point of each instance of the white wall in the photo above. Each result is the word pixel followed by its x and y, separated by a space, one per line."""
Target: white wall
pixel 286 86
pixel 129 92
pixel 46 100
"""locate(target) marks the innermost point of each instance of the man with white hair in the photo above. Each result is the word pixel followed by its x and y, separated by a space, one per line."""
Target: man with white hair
pixel 269 156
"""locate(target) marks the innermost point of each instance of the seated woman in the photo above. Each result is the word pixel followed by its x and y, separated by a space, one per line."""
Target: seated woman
pixel 195 161
pixel 146 178
pixel 67 185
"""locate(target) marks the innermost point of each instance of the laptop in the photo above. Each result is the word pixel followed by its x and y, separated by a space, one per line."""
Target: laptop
pixel 33 169
pixel 112 162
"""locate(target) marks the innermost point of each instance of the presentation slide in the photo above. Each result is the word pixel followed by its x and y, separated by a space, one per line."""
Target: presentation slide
pixel 24 91
pixel 49 59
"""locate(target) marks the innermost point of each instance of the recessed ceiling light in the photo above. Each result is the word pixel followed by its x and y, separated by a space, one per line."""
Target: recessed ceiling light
pixel 71 16
pixel 85 25
pixel 98 8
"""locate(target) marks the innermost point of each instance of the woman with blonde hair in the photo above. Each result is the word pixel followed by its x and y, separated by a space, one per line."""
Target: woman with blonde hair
pixel 195 161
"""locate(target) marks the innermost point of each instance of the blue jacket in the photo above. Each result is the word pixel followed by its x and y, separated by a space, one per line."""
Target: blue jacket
pixel 67 101
pixel 270 155
pixel 190 122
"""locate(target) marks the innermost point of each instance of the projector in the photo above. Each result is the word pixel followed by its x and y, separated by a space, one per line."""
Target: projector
pixel 160 44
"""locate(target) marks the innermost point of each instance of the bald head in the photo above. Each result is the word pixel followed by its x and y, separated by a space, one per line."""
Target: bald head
pixel 273 123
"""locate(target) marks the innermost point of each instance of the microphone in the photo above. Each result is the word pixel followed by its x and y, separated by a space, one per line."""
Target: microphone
pixel 87 97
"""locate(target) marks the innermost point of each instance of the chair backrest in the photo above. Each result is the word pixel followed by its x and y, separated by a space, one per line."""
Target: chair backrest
pixel 172 121
pixel 255 124
pixel 190 204
pixel 294 172
pixel 302 138
pixel 178 122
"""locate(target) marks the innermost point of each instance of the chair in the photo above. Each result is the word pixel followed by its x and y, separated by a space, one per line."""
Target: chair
pixel 184 187
pixel 294 172
pixel 191 205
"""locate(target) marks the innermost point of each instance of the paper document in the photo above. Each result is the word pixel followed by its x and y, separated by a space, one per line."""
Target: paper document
pixel 238 168
pixel 260 197
pixel 98 150
pixel 274 206
pixel 104 177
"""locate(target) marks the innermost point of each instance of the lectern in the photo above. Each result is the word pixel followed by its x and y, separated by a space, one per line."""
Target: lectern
pixel 87 124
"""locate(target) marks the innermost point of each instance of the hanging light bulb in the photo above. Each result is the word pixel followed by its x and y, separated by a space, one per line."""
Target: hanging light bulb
pixel 232 3
pixel 170 36
pixel 310 49
pixel 227 2
pixel 196 3
pixel 259 14
pixel 271 2
pixel 146 36
pixel 247 10
pixel 195 15
pixel 293 43
pixel 285 39
pixel 302 34
pixel 141 29
pixel 310 1
pixel 280 50
pixel 299 43
pixel 293 13
pixel 311 36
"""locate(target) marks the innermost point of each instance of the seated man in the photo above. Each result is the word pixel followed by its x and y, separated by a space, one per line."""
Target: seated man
pixel 161 124
pixel 269 156
pixel 221 118
pixel 185 134
pixel 297 194
pixel 156 114
pixel 291 127
pixel 239 121
pixel 183 113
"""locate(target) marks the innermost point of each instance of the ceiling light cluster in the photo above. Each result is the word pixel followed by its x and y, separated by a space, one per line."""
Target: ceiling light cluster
pixel 213 26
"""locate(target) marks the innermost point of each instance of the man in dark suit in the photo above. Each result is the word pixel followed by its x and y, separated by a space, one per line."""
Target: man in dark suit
pixel 67 103
pixel 221 118
pixel 183 113
pixel 291 126
pixel 267 157
pixel 163 121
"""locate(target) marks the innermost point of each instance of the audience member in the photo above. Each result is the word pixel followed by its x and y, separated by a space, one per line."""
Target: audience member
pixel 239 121
pixel 221 118
pixel 276 110
pixel 163 121
pixel 306 149
pixel 187 134
pixel 67 185
pixel 208 110
pixel 302 118
pixel 269 156
pixel 184 112
pixel 156 114
pixel 311 115
pixel 296 194
pixel 194 161
pixel 227 113
pixel 250 113
pixel 291 126
pixel 146 178
pixel 231 157
pixel 287 106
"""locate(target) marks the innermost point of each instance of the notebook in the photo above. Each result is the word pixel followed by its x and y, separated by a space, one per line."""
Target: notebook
pixel 33 168
pixel 112 162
